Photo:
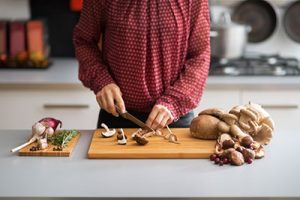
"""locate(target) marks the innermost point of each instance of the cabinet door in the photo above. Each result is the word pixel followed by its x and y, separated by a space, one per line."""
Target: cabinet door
pixel 282 105
pixel 224 99
pixel 77 109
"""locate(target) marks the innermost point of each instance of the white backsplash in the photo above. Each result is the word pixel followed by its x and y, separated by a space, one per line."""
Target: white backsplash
pixel 14 9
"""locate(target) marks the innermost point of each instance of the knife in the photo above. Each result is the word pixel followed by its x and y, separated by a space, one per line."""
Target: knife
pixel 130 117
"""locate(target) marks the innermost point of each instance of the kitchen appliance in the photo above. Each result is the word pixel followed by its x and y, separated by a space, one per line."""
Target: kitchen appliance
pixel 256 65
pixel 158 147
pixel 291 21
pixel 228 39
pixel 260 15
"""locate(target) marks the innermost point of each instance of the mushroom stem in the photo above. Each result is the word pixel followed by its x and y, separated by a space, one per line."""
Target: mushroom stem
pixel 105 127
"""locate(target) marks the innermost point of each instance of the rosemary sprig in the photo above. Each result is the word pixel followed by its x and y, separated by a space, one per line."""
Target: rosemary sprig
pixel 62 138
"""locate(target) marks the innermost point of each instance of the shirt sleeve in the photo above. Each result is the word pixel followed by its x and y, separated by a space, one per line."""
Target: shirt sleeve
pixel 186 92
pixel 92 71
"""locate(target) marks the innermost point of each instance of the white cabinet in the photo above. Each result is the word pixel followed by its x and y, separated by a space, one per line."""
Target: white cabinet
pixel 20 108
pixel 283 105
pixel 218 98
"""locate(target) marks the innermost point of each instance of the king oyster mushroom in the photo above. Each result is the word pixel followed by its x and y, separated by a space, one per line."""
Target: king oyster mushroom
pixel 108 133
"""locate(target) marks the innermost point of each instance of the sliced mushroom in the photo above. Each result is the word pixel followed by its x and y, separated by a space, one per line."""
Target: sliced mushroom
pixel 141 140
pixel 122 138
pixel 108 133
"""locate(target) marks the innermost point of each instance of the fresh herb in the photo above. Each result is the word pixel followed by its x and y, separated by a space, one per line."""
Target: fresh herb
pixel 62 138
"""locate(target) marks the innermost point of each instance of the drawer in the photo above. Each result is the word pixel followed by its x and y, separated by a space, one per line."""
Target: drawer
pixel 283 106
pixel 77 109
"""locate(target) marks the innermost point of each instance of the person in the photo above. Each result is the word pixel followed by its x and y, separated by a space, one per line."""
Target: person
pixel 153 62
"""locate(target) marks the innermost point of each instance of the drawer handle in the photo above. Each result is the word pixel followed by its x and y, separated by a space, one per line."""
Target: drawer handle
pixel 283 106
pixel 57 106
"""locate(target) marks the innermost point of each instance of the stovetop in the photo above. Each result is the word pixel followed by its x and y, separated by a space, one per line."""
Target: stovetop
pixel 256 65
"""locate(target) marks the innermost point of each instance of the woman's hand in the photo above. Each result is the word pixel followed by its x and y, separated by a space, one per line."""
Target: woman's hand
pixel 108 97
pixel 159 117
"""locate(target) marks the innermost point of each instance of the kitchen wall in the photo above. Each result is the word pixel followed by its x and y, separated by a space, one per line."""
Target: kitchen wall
pixel 278 43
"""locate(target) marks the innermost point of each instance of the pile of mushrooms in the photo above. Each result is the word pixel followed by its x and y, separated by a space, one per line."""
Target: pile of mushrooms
pixel 240 134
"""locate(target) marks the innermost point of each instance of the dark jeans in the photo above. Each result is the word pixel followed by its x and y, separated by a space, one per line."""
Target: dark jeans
pixel 119 122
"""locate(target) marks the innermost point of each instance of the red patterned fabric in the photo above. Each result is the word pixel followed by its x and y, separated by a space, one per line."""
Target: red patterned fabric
pixel 156 51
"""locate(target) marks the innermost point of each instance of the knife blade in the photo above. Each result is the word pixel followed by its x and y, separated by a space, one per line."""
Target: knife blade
pixel 130 117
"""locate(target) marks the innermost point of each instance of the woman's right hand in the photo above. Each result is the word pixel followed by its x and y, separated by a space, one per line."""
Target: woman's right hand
pixel 108 97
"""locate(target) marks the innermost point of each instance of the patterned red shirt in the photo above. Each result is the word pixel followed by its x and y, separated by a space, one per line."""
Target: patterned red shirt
pixel 156 51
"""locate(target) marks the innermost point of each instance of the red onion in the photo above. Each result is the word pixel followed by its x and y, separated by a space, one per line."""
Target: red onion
pixel 51 122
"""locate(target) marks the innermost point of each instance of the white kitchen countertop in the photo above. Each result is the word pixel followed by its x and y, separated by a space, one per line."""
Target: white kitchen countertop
pixel 276 176
pixel 64 72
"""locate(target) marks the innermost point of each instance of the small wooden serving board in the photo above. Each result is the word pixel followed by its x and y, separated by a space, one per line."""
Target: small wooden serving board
pixel 66 152
pixel 157 147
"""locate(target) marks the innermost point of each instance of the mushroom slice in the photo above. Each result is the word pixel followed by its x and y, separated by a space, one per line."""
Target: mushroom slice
pixel 264 135
pixel 141 140
pixel 216 112
pixel 108 133
pixel 122 138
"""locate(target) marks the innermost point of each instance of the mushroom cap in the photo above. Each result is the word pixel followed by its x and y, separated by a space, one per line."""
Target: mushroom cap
pixel 268 121
pixel 236 111
pixel 257 108
pixel 264 135
pixel 230 119
pixel 205 127
pixel 216 112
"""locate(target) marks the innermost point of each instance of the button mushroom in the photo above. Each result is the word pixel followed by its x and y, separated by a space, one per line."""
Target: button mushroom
pixel 141 140
pixel 235 157
pixel 108 133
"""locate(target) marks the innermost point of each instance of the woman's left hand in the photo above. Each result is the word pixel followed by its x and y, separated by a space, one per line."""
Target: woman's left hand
pixel 159 117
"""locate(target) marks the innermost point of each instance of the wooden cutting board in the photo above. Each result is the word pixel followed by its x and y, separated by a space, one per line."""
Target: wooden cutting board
pixel 66 152
pixel 157 147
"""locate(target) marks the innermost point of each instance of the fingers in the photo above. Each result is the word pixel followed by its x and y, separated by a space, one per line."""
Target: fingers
pixel 108 96
pixel 159 117
pixel 120 103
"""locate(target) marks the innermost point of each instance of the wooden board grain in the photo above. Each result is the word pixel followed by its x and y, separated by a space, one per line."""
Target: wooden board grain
pixel 66 152
pixel 157 147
